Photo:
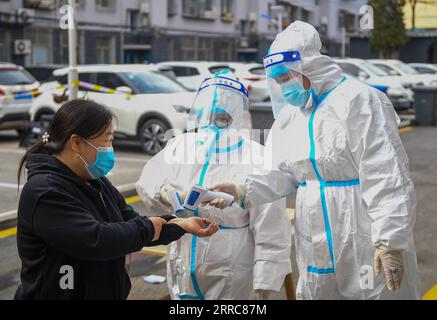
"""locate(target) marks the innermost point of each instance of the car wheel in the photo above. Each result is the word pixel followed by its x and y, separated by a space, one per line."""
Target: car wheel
pixel 152 136
pixel 45 120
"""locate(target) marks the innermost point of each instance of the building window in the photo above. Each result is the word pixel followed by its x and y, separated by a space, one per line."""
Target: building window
pixel 200 9
pixel 346 20
pixel 226 11
pixel 42 47
pixel 105 50
pixel 80 4
pixel 188 49
pixel 105 5
pixel 204 49
pixel 4 47
pixel 306 16
pixel 172 7
pixel 133 19
pixel 224 50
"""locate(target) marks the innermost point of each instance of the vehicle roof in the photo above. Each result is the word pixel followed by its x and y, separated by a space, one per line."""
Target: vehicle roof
pixel 249 65
pixel 109 68
pixel 423 64
pixel 384 61
pixel 8 65
pixel 195 63
pixel 48 66
pixel 351 60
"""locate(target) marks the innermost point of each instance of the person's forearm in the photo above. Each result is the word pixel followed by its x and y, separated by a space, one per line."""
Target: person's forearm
pixel 263 189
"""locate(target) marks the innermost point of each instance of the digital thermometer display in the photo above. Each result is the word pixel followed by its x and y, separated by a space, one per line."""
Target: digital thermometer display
pixel 193 198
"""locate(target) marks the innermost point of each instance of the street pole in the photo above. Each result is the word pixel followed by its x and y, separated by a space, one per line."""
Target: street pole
pixel 279 11
pixel 280 22
pixel 343 42
pixel 72 51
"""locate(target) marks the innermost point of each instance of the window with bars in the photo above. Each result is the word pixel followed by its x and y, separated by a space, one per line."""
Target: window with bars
pixel 201 9
pixel 227 10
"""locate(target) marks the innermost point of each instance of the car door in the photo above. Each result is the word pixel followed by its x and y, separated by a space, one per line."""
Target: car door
pixel 120 104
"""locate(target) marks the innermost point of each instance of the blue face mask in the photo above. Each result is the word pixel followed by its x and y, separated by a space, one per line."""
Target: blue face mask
pixel 295 94
pixel 104 163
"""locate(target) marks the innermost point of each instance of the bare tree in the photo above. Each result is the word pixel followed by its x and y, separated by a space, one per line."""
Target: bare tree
pixel 413 5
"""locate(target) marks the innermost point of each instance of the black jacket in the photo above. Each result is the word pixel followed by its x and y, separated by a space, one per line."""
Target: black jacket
pixel 86 227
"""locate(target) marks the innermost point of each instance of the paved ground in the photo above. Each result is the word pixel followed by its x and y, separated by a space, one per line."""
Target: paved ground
pixel 421 145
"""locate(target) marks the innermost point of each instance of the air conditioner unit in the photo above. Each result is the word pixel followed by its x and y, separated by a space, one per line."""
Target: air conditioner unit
pixel 253 16
pixel 25 16
pixel 23 47
pixel 209 14
pixel 145 7
pixel 244 42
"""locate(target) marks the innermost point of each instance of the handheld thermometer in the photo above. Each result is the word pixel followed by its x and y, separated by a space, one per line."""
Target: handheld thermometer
pixel 176 201
pixel 198 195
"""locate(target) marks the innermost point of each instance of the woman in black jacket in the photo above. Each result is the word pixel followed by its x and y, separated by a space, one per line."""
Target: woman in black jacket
pixel 72 222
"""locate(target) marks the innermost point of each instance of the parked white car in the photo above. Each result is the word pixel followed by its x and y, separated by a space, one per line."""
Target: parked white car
pixel 402 98
pixel 404 72
pixel 192 74
pixel 147 103
pixel 424 68
pixel 253 76
pixel 16 95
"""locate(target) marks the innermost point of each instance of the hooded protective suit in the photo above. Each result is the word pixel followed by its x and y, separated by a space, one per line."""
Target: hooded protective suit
pixel 252 248
pixel 343 154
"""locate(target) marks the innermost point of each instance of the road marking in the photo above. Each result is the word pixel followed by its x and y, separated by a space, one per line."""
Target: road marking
pixel 8 215
pixel 8 233
pixel 432 294
pixel 132 200
pixel 9 185
pixel 406 129
pixel 13 151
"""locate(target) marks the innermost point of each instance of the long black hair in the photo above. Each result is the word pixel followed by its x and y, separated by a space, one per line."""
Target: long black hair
pixel 85 118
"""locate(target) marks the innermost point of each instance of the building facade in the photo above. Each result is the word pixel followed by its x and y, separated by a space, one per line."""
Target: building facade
pixel 136 31
pixel 422 40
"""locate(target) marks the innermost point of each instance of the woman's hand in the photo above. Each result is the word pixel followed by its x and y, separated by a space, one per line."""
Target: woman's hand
pixel 197 226
pixel 157 225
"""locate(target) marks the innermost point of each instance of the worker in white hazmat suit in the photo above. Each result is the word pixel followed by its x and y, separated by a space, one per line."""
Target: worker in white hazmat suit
pixel 251 251
pixel 335 140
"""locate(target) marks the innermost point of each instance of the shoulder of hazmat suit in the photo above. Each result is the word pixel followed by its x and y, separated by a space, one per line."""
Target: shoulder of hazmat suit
pixel 252 248
pixel 343 154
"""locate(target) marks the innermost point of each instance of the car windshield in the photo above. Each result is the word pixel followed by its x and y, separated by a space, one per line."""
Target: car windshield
pixel 11 77
pixel 152 82
pixel 216 69
pixel 374 70
pixel 405 68
pixel 387 69
pixel 259 71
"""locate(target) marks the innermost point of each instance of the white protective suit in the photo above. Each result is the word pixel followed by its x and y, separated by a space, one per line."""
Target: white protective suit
pixel 251 251
pixel 343 154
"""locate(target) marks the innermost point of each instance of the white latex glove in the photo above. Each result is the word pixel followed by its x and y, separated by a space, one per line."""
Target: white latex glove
pixel 164 195
pixel 392 263
pixel 237 191
pixel 262 294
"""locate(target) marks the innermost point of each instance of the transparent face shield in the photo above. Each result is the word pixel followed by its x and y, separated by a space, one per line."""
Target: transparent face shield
pixel 284 79
pixel 220 103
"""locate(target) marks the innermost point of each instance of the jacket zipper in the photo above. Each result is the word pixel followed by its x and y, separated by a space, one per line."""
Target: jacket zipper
pixel 103 200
